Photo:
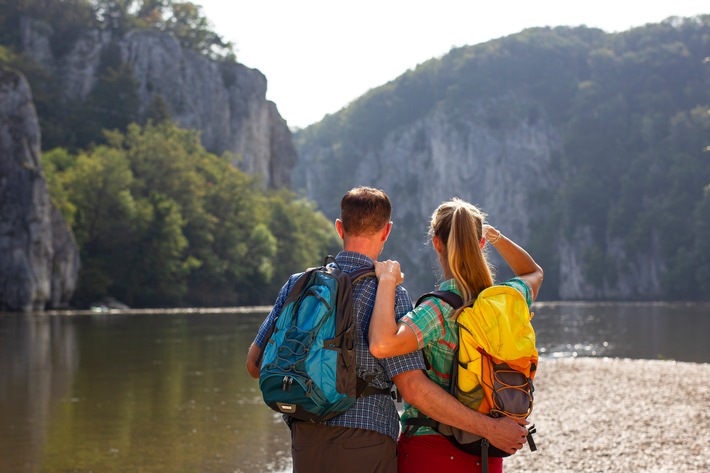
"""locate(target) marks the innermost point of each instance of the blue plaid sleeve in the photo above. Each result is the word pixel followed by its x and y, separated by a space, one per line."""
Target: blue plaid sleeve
pixel 270 319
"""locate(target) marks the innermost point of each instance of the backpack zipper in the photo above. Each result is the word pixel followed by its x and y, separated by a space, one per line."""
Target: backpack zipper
pixel 286 383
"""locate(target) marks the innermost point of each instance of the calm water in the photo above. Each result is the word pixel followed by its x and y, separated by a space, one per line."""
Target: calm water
pixel 169 393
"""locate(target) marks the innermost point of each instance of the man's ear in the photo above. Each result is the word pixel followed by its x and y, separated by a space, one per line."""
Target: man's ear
pixel 339 228
pixel 386 231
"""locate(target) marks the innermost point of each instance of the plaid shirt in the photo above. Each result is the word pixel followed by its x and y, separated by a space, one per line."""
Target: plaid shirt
pixel 376 412
pixel 437 335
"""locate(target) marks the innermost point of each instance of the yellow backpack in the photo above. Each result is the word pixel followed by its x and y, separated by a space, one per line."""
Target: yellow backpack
pixel 497 362
pixel 497 357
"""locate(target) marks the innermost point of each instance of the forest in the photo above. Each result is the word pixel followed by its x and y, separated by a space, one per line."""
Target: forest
pixel 632 111
pixel 113 102
pixel 159 220
pixel 162 221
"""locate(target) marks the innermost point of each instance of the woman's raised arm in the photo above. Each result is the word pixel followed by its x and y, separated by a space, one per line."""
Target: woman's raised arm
pixel 522 264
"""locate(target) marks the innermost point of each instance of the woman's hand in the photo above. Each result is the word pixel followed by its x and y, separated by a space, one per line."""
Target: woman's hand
pixel 522 264
pixel 490 234
pixel 389 270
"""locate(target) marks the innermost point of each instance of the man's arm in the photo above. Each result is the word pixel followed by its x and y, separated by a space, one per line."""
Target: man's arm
pixel 253 367
pixel 418 390
pixel 252 357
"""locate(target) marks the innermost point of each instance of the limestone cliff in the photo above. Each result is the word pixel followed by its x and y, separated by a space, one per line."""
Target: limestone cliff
pixel 38 255
pixel 587 148
pixel 508 168
pixel 439 157
pixel 225 101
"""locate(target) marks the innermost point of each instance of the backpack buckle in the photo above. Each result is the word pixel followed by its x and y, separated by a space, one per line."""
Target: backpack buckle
pixel 531 442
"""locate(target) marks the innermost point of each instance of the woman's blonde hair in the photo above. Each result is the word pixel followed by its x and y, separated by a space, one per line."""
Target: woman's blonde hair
pixel 459 226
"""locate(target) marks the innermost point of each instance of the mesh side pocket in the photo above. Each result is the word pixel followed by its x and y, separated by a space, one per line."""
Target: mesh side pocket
pixel 512 392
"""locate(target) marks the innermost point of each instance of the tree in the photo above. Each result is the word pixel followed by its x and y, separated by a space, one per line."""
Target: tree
pixel 98 186
pixel 193 30
pixel 162 222
pixel 113 103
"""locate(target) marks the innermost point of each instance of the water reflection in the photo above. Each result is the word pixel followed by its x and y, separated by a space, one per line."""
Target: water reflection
pixel 134 393
pixel 634 330
pixel 37 360
pixel 169 392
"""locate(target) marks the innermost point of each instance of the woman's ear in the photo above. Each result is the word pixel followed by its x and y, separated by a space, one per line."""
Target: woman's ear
pixel 483 242
pixel 438 244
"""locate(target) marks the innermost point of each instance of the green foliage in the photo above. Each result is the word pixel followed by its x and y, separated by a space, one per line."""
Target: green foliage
pixel 55 164
pixel 701 248
pixel 112 104
pixel 65 20
pixel 183 20
pixel 161 222
pixel 301 234
pixel 157 110
pixel 77 122
pixel 187 23
pixel 68 20
pixel 632 110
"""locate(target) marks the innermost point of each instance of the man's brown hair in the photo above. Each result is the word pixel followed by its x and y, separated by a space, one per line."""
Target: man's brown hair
pixel 364 211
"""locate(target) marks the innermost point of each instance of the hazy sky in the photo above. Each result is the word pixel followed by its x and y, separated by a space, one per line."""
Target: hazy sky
pixel 319 55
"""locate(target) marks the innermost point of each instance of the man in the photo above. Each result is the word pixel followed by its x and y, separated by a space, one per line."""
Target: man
pixel 363 439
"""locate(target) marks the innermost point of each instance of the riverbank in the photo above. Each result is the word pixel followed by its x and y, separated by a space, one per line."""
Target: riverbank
pixel 619 415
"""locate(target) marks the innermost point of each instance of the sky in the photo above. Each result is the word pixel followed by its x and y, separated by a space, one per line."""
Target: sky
pixel 320 55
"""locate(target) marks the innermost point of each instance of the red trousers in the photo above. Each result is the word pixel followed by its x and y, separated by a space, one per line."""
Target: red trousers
pixel 430 453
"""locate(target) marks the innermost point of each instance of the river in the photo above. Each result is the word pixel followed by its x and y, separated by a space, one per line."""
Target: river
pixel 168 392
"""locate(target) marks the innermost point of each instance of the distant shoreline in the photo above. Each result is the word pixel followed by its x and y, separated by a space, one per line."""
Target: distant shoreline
pixel 175 310
pixel 267 308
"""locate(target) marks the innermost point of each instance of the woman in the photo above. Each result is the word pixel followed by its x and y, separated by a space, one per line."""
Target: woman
pixel 458 234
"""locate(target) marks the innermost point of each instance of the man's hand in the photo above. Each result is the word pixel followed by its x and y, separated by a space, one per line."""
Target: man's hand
pixel 504 433
pixel 508 434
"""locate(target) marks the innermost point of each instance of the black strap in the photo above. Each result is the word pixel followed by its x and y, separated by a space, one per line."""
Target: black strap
pixel 531 442
pixel 362 273
pixel 451 298
pixel 364 388
pixel 417 422
pixel 484 455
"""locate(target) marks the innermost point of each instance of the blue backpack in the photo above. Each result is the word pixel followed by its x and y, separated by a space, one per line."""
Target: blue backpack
pixel 308 366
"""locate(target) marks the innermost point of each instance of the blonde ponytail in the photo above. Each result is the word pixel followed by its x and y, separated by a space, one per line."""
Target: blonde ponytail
pixel 459 225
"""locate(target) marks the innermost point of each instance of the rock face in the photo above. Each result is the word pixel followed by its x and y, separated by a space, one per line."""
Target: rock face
pixel 505 170
pixel 439 157
pixel 38 255
pixel 225 101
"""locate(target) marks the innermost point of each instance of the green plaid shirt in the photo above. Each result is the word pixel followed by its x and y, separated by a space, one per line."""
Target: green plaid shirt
pixel 437 335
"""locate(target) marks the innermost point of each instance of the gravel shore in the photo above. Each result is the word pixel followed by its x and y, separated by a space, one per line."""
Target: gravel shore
pixel 618 415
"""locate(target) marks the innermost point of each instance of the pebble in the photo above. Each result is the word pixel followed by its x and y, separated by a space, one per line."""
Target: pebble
pixel 618 415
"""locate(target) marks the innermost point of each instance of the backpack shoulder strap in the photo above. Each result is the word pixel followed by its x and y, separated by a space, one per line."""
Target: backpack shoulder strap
pixel 362 273
pixel 354 275
pixel 450 297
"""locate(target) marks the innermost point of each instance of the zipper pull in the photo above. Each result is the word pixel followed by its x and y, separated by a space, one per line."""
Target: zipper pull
pixel 283 383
